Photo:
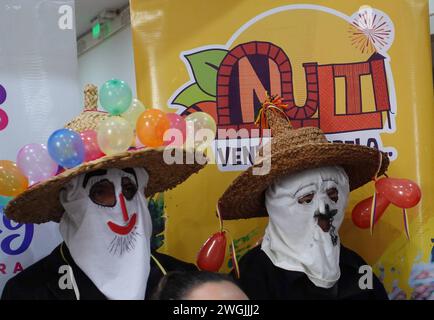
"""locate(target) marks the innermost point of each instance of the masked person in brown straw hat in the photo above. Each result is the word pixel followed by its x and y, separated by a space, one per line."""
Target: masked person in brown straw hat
pixel 305 195
pixel 104 220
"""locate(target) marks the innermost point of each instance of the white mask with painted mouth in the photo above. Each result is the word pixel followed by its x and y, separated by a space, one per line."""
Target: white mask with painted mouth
pixel 306 211
pixel 107 228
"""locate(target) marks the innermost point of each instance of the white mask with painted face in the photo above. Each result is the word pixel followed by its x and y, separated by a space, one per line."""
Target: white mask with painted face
pixel 107 228
pixel 306 211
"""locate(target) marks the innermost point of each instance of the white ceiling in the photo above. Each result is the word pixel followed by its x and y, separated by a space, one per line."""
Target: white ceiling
pixel 86 10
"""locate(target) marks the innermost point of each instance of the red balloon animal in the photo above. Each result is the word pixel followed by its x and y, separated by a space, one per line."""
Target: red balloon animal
pixel 403 193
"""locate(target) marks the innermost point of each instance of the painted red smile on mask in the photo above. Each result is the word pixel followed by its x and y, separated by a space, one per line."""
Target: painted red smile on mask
pixel 130 222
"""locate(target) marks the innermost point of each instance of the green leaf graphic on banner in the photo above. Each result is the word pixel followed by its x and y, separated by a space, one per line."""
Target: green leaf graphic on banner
pixel 192 95
pixel 205 65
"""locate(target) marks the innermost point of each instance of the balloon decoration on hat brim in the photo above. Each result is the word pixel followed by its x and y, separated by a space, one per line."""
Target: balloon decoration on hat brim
pixel 177 123
pixel 200 123
pixel 151 126
pixel 92 150
pixel 129 125
pixel 115 96
pixel 35 162
pixel 4 201
pixel 114 135
pixel 66 148
pixel 12 180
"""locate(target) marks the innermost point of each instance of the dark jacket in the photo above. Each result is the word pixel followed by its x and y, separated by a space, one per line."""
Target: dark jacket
pixel 40 281
pixel 262 280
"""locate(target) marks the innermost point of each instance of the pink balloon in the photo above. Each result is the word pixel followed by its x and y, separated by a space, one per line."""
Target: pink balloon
pixel 91 147
pixel 139 143
pixel 176 122
pixel 35 163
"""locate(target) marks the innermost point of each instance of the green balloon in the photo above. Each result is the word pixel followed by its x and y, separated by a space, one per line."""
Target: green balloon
pixel 4 200
pixel 115 96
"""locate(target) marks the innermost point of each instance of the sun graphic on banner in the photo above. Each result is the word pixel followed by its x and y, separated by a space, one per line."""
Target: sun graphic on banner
pixel 371 30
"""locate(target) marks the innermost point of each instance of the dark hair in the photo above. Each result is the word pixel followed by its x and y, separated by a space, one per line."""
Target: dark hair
pixel 176 284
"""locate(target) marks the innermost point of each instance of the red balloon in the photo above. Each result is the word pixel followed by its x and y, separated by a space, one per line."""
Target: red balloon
pixel 212 254
pixel 403 193
pixel 362 211
pixel 91 147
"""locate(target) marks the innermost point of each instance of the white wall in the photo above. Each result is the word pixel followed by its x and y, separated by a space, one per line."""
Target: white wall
pixel 113 58
pixel 431 11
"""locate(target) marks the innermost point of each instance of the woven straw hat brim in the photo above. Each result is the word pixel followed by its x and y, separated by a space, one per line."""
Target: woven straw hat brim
pixel 244 198
pixel 40 203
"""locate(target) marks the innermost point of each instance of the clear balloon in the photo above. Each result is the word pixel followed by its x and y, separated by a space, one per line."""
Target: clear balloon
pixel 361 213
pixel 133 112
pixel 151 126
pixel 201 129
pixel 403 193
pixel 115 96
pixel 12 180
pixel 66 148
pixel 212 254
pixel 115 135
pixel 35 162
pixel 178 127
pixel 91 147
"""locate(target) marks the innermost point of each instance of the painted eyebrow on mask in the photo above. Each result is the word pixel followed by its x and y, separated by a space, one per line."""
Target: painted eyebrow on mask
pixel 100 172
pixel 132 172
pixel 301 188
pixel 332 180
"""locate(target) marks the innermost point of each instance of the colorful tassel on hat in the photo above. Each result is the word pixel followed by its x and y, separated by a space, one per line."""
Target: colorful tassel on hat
pixel 272 103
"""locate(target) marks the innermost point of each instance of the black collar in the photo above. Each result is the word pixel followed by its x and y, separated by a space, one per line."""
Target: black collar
pixel 88 291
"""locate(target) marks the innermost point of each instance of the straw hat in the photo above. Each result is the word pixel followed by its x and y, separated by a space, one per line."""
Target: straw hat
pixel 295 150
pixel 40 203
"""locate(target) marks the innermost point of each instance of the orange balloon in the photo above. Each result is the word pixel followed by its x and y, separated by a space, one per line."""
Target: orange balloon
pixel 12 181
pixel 151 126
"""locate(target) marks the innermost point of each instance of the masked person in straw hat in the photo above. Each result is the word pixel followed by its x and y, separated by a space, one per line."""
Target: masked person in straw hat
pixel 104 221
pixel 305 195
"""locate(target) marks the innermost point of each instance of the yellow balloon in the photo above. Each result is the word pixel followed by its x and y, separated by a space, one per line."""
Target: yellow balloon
pixel 114 135
pixel 196 122
pixel 133 112
pixel 12 180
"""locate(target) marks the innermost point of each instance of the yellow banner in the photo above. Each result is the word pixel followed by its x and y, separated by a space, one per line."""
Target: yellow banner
pixel 359 70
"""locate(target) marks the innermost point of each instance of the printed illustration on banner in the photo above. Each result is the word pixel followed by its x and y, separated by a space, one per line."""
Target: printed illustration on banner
pixel 352 101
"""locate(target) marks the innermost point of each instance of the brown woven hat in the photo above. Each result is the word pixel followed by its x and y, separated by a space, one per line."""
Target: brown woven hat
pixel 292 151
pixel 40 203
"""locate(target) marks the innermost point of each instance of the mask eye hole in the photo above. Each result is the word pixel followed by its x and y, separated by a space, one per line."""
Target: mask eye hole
pixel 306 199
pixel 103 193
pixel 333 194
pixel 129 188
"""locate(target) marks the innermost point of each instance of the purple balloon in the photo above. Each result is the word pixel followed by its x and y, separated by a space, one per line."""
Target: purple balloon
pixel 35 163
